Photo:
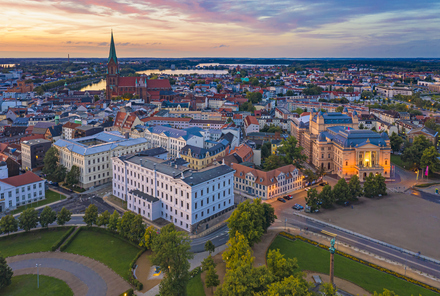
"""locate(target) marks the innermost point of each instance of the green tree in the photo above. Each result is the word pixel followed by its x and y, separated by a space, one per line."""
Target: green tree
pixel 309 175
pixel 279 266
pixel 28 219
pixel 395 141
pixel 238 252
pixel 137 229
pixel 211 279
pixel 209 247
pixel 247 106
pixel 266 150
pixel 299 111
pixel 96 98
pixel 72 176
pixel 103 219
pixel 51 159
pixel 361 126
pixel 124 225
pixel 91 215
pixel 63 216
pixel 350 89
pixel 293 285
pixel 239 281
pixel 341 191
pixel 289 93
pixel 312 90
pixel 47 216
pixel 248 219
pixel 414 152
pixel 113 221
pixel 430 159
pixel 60 174
pixel 327 289
pixel 150 234
pixel 369 186
pixel 208 263
pixel 268 215
pixel 171 251
pixel 380 186
pixel 385 293
pixel 291 152
pixel 430 123
pixel 229 120
pixel 355 188
pixel 326 197
pixel 8 224
pixel 321 171
pixel 312 200
pixel 339 109
pixel 254 97
pixel 5 273
pixel 366 95
pixel 273 162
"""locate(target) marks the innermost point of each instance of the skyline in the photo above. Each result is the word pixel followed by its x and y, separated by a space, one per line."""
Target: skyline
pixel 254 29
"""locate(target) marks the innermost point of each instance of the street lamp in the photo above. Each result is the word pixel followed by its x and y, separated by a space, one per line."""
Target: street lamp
pixel 38 275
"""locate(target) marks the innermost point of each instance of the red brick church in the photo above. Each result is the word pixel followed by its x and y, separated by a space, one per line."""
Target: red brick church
pixel 147 89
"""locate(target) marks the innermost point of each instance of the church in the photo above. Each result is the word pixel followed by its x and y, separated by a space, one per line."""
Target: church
pixel 147 89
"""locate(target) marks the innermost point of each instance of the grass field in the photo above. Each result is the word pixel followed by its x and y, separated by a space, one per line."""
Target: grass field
pixel 397 160
pixel 195 286
pixel 51 197
pixel 30 242
pixel 112 251
pixel 315 259
pixel 24 285
pixel 117 201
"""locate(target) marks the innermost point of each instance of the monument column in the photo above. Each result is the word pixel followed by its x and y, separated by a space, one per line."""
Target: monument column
pixel 332 260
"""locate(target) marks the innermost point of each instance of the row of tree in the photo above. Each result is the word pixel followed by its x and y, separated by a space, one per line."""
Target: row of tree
pixel 342 192
pixel 29 219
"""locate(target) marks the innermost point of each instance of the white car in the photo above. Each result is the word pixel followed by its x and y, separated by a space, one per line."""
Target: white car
pixel 307 189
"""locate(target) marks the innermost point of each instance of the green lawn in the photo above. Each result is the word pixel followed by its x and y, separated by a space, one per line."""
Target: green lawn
pixel 117 201
pixel 315 259
pixel 51 197
pixel 24 285
pixel 397 160
pixel 195 286
pixel 30 242
pixel 112 251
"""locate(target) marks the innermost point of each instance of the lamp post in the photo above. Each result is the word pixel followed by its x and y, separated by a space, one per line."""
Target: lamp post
pixel 38 275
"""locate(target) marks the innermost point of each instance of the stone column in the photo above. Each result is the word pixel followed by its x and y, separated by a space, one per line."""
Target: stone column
pixel 332 262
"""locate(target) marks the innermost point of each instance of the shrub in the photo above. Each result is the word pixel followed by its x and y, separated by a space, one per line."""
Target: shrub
pixel 129 292
pixel 70 239
pixel 58 243
pixel 195 271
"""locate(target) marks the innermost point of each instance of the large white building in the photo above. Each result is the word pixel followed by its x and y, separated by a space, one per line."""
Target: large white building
pixel 175 193
pixel 173 139
pixel 20 190
pixel 93 155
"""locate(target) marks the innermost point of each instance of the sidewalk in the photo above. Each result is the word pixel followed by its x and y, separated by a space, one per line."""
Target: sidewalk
pixel 43 206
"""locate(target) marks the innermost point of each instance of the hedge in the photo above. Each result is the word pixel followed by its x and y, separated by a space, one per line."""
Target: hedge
pixel 70 239
pixel 139 286
pixel 372 265
pixel 58 243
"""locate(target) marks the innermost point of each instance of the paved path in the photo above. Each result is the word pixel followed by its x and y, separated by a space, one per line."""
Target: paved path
pixel 83 275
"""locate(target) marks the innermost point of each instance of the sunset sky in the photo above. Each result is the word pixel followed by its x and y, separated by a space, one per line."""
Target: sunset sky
pixel 220 28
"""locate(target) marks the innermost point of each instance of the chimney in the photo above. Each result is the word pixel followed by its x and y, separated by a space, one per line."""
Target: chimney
pixel 141 162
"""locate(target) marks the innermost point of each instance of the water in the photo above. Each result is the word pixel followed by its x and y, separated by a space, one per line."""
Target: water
pixel 95 86
pixel 102 84
pixel 7 65
pixel 184 72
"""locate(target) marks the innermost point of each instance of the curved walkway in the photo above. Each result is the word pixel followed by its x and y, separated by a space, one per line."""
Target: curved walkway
pixel 83 275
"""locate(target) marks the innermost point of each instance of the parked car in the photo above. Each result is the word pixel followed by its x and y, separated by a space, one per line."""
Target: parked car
pixel 323 183
pixel 287 197
pixel 307 189
pixel 346 204
pixel 54 183
pixel 281 199
pixel 297 207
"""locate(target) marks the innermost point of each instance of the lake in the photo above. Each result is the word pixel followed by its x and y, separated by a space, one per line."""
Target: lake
pixel 184 72
pixel 7 65
pixel 95 86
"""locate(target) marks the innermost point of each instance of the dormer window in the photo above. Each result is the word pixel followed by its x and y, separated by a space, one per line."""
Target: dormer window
pixel 241 173
pixel 261 179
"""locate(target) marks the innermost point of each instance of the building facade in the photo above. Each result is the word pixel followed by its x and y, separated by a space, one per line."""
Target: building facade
pixel 93 155
pixel 20 190
pixel 33 152
pixel 266 185
pixel 172 192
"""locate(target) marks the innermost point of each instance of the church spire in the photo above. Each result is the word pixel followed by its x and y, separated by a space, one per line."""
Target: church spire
pixel 112 54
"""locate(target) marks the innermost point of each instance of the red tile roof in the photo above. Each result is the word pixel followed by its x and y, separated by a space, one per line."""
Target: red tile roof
pixel 250 120
pixel 20 180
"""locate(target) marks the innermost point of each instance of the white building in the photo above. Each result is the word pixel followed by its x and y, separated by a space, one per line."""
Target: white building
pixel 172 139
pixel 20 190
pixel 172 192
pixel 93 155
pixel 251 125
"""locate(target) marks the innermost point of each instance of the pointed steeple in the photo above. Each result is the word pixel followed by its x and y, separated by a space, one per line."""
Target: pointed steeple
pixel 112 54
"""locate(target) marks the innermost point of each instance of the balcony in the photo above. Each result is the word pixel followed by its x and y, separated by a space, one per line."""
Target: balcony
pixel 370 168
